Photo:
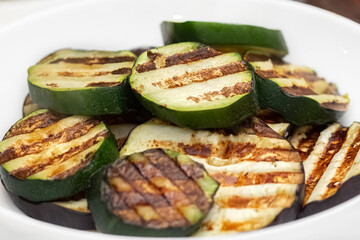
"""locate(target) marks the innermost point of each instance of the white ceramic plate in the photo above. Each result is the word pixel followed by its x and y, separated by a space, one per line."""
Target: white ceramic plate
pixel 317 38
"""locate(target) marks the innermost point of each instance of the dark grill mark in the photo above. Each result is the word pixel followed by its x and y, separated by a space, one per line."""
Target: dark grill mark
pixel 306 145
pixel 94 73
pixel 257 127
pixel 298 91
pixel 245 179
pixel 170 170
pixel 227 92
pixel 183 58
pixel 203 75
pixel 196 149
pixel 145 193
pixel 269 116
pixel 66 135
pixel 335 106
pixel 268 73
pixel 42 120
pixel 103 84
pixel 334 145
pixel 26 171
pixel 94 60
pixel 344 168
pixel 52 85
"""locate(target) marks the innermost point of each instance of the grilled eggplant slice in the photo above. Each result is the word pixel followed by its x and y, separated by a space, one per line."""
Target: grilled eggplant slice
pixel 331 162
pixel 46 156
pixel 226 37
pixel 193 85
pixel 260 174
pixel 153 193
pixel 72 212
pixel 83 82
pixel 296 92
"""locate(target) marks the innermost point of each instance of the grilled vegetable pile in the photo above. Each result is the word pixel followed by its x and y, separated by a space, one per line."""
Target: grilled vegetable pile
pixel 213 133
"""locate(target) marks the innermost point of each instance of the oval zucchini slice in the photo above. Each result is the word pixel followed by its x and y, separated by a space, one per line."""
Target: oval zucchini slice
pixel 46 156
pixel 153 193
pixel 331 162
pixel 83 82
pixel 260 174
pixel 296 92
pixel 226 37
pixel 195 86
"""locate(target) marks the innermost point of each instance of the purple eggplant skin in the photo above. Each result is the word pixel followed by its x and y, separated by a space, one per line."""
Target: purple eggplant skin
pixel 52 213
pixel 291 213
pixel 347 190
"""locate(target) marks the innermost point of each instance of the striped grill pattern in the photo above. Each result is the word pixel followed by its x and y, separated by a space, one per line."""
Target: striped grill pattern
pixel 189 74
pixel 68 68
pixel 155 190
pixel 330 157
pixel 298 81
pixel 258 171
pixel 45 145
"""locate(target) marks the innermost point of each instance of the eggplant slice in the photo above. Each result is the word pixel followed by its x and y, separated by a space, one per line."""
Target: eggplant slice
pixel 152 193
pixel 260 174
pixel 72 212
pixel 331 162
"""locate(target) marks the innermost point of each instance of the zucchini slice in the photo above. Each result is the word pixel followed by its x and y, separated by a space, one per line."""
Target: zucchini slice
pixel 46 156
pixel 83 82
pixel 296 92
pixel 193 85
pixel 153 193
pixel 260 174
pixel 72 212
pixel 331 162
pixel 226 37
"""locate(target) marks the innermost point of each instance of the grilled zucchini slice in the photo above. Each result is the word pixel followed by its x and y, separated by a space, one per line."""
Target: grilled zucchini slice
pixel 46 156
pixel 226 37
pixel 193 85
pixel 260 174
pixel 153 193
pixel 83 82
pixel 296 92
pixel 331 162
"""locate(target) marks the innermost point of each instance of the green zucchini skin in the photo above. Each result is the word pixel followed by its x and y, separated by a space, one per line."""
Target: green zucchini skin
pixel 107 222
pixel 90 101
pixel 224 117
pixel 296 109
pixel 225 36
pixel 37 190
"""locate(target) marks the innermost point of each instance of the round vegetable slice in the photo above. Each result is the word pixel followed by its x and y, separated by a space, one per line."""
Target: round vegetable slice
pixel 195 86
pixel 153 193
pixel 296 92
pixel 226 37
pixel 47 156
pixel 83 82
